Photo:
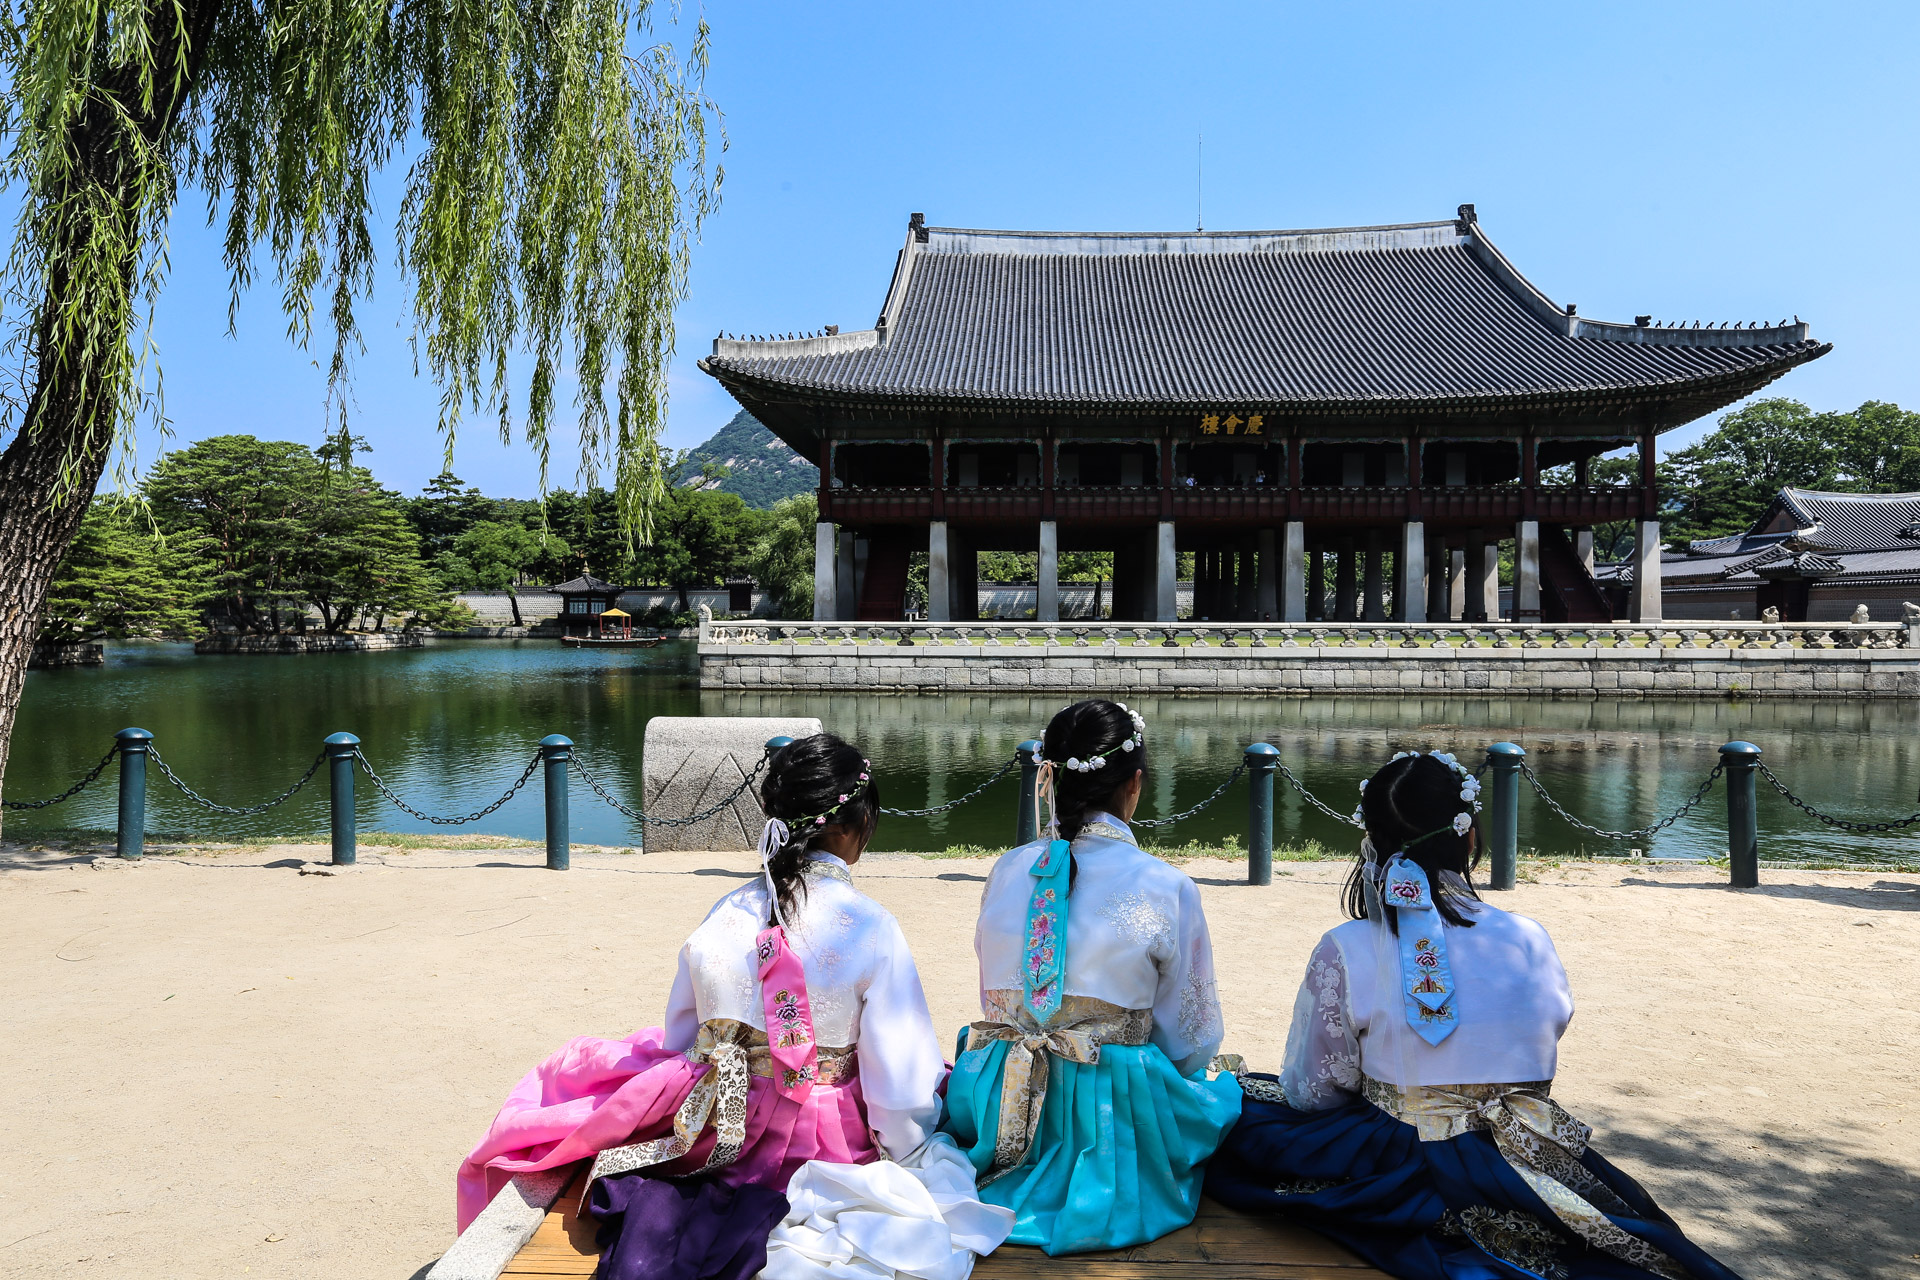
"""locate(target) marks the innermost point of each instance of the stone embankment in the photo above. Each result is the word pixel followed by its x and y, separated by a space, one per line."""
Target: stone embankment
pixel 79 653
pixel 1676 661
pixel 312 642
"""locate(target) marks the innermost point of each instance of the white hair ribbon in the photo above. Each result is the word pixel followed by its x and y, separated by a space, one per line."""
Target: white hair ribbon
pixel 1044 788
pixel 773 838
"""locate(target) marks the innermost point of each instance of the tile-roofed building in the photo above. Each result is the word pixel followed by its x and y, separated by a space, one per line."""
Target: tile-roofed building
pixel 1306 394
pixel 1814 556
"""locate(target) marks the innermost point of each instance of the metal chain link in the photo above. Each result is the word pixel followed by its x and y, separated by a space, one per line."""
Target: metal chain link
pixel 637 816
pixel 1217 793
pixel 1344 819
pixel 205 803
pixel 71 791
pixel 1638 832
pixel 475 816
pixel 1003 771
pixel 1843 823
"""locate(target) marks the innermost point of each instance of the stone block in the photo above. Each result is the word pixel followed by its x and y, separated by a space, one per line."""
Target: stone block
pixel 693 762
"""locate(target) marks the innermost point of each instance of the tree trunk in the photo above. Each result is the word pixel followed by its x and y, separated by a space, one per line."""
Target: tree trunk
pixel 686 606
pixel 69 420
pixel 513 599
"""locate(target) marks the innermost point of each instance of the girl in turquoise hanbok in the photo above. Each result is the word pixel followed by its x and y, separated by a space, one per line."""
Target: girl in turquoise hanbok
pixel 1082 1095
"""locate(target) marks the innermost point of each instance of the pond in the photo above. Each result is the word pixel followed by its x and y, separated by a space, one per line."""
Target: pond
pixel 451 725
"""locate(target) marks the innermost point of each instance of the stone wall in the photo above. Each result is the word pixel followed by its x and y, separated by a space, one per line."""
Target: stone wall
pixel 312 642
pixel 886 667
pixel 80 653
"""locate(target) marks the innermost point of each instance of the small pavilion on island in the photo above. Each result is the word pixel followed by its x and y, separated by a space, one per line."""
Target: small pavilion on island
pixel 583 602
pixel 1340 425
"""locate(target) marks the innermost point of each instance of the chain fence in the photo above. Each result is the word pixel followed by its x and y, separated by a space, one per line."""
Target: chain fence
pixel 71 791
pixel 1638 833
pixel 1344 819
pixel 187 791
pixel 638 816
pixel 1002 772
pixel 1217 793
pixel 1844 824
pixel 380 784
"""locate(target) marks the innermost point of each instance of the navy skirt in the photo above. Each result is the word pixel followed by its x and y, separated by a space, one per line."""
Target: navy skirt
pixel 1452 1210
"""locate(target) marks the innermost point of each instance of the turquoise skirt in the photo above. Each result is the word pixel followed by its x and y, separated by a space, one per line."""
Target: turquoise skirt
pixel 1119 1157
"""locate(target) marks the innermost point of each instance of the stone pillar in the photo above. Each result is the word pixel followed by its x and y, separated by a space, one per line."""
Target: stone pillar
pixel 1344 595
pixel 1370 610
pixel 1246 605
pixel 1412 572
pixel 1293 573
pixel 1439 564
pixel 826 592
pixel 1266 604
pixel 848 602
pixel 1583 547
pixel 1166 595
pixel 1483 578
pixel 1526 571
pixel 1646 571
pixel 939 580
pixel 1048 597
pixel 1316 584
pixel 1457 585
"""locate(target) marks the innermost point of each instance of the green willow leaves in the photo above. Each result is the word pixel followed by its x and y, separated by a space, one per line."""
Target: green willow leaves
pixel 557 171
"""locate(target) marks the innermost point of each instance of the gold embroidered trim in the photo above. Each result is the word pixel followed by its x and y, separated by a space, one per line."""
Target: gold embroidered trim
pixel 1075 1033
pixel 1540 1141
pixel 736 1052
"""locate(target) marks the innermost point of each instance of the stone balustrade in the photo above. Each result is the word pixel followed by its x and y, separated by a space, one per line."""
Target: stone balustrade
pixel 1437 642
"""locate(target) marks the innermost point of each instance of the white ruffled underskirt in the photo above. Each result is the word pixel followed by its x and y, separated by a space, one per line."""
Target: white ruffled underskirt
pixel 920 1218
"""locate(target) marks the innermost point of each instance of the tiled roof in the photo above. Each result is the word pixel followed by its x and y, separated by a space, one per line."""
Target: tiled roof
pixel 1851 521
pixel 584 583
pixel 1420 315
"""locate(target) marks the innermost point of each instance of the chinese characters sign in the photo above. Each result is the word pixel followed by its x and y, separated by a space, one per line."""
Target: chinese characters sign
pixel 1232 424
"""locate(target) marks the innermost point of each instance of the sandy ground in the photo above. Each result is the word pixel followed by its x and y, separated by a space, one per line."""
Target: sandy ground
pixel 216 1066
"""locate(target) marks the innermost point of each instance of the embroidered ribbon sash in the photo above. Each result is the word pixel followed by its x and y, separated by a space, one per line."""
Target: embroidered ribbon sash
pixel 1540 1141
pixel 736 1053
pixel 1426 979
pixel 783 993
pixel 1075 1034
pixel 1046 951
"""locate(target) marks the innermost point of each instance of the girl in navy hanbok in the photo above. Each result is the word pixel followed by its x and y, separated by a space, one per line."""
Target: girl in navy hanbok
pixel 1412 1118
pixel 1082 1094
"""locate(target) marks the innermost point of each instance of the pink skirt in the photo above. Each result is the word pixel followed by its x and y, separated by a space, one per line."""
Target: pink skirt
pixel 595 1094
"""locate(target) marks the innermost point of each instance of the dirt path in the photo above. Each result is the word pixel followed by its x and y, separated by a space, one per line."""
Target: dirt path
pixel 217 1066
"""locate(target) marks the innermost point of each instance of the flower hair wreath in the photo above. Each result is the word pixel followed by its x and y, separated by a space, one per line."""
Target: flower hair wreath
pixel 820 819
pixel 1469 795
pixel 1093 764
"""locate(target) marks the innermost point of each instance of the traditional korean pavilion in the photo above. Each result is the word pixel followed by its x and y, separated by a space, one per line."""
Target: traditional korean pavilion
pixel 1341 424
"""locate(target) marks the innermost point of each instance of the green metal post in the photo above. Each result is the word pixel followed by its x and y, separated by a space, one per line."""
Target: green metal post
pixel 1743 819
pixel 1503 813
pixel 774 744
pixel 130 838
pixel 1261 757
pixel 556 750
pixel 1026 826
pixel 340 752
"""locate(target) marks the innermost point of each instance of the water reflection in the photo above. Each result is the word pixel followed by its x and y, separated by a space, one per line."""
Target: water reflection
pixel 450 725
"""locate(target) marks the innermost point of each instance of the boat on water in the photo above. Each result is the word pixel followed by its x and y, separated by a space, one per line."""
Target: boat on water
pixel 637 640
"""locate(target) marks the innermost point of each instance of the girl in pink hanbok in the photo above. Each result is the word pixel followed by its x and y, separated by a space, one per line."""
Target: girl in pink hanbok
pixel 797 1049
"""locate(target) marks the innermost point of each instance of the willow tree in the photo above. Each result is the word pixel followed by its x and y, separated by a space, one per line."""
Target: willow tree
pixel 552 159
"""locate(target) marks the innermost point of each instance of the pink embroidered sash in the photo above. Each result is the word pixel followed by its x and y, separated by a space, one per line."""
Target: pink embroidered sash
pixel 783 989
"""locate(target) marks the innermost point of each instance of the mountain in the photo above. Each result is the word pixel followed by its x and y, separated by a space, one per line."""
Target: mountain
pixel 760 466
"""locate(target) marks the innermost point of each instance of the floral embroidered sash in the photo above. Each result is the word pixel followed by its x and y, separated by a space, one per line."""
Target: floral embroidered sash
pixel 1426 979
pixel 1046 960
pixel 783 991
pixel 1540 1141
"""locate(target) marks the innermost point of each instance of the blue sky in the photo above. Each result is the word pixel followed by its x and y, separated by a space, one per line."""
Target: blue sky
pixel 1711 161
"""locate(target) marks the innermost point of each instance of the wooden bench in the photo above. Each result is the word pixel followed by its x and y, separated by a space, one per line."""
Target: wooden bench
pixel 1221 1244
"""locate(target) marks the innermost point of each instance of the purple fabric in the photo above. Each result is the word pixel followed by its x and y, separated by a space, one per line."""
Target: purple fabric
pixel 682 1228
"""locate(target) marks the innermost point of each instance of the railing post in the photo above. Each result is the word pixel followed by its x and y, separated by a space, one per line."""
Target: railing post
pixel 1743 820
pixel 340 752
pixel 130 836
pixel 1026 827
pixel 556 750
pixel 1503 813
pixel 1261 758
